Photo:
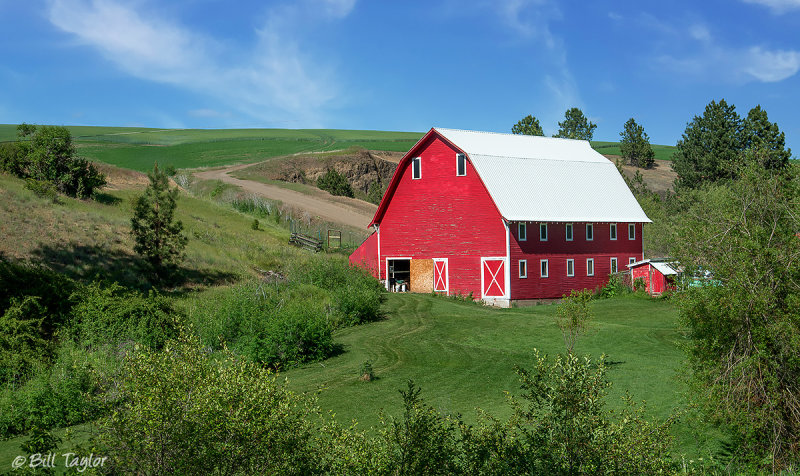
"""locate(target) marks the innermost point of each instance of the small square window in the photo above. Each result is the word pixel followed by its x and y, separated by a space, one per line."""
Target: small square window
pixel 543 232
pixel 631 260
pixel 545 268
pixel 590 267
pixel 570 267
pixel 461 165
pixel 613 231
pixel 523 268
pixel 416 168
pixel 632 231
pixel 589 232
pixel 613 265
pixel 522 232
pixel 569 231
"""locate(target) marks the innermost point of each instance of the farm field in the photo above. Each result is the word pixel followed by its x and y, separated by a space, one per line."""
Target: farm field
pixel 463 356
pixel 663 152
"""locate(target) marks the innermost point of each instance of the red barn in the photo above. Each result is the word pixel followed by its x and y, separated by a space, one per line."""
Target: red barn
pixel 658 275
pixel 502 217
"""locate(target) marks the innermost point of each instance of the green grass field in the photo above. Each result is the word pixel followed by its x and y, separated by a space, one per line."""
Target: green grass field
pixel 138 148
pixel 463 355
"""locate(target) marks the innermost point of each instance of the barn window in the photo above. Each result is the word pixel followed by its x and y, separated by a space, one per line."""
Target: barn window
pixel 590 267
pixel 631 231
pixel 461 165
pixel 545 268
pixel 523 268
pixel 631 260
pixel 613 265
pixel 416 167
pixel 543 232
pixel 570 267
pixel 613 231
pixel 522 232
pixel 569 232
pixel 589 232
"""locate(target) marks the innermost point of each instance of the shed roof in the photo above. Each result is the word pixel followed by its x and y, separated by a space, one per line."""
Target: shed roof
pixel 663 267
pixel 532 178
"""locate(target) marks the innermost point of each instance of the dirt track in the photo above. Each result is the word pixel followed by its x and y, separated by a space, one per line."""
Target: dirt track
pixel 347 211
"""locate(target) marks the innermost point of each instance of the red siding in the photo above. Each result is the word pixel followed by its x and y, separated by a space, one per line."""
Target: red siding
pixel 442 216
pixel 642 272
pixel 557 250
pixel 366 255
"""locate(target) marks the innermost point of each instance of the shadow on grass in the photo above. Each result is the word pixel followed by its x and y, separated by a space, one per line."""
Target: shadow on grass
pixel 106 198
pixel 86 263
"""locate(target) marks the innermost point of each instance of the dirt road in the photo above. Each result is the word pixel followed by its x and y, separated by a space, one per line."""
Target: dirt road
pixel 347 211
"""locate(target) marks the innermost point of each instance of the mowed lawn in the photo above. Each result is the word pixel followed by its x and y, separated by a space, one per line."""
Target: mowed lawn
pixel 463 355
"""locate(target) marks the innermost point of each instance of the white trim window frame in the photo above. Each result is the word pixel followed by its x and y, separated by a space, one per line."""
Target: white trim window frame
pixel 544 268
pixel 569 231
pixel 613 265
pixel 589 266
pixel 631 260
pixel 589 231
pixel 523 268
pixel 612 231
pixel 461 159
pixel 631 231
pixel 416 168
pixel 542 228
pixel 570 267
pixel 522 231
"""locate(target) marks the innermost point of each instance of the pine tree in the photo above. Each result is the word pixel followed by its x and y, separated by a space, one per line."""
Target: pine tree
pixel 528 125
pixel 158 236
pixel 635 145
pixel 761 134
pixel 575 126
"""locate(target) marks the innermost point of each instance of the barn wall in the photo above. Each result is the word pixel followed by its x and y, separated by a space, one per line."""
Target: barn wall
pixel 642 272
pixel 366 255
pixel 443 216
pixel 557 250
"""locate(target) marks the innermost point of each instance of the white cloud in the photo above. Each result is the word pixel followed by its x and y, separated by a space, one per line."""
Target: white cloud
pixel 273 82
pixel 777 6
pixel 713 61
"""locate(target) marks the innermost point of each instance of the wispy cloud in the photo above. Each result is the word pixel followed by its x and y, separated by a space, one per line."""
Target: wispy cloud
pixel 777 6
pixel 714 61
pixel 273 82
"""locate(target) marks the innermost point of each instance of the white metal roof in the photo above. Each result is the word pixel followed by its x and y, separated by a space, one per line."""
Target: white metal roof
pixel 534 178
pixel 663 267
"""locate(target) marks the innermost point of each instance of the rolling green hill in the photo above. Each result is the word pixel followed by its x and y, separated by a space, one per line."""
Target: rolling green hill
pixel 137 148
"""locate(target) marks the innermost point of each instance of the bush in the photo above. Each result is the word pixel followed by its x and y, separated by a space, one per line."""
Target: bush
pixel 254 225
pixel 42 189
pixel 335 183
pixel 110 314
pixel 375 193
pixel 21 343
pixel 614 287
pixel 186 413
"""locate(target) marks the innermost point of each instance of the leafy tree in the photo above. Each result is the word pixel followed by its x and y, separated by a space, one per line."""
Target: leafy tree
pixel 25 130
pixel 635 145
pixel 573 316
pixel 528 125
pixel 52 158
pixel 575 126
pixel 745 331
pixel 761 134
pixel 158 236
pixel 335 183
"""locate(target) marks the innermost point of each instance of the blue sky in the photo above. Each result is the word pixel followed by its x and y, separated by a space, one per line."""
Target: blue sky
pixel 402 65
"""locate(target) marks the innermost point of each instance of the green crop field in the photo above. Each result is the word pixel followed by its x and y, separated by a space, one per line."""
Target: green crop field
pixel 663 152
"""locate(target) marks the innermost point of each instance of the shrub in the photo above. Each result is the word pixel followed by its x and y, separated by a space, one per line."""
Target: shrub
pixel 614 287
pixel 375 193
pixel 42 189
pixel 366 373
pixel 254 225
pixel 335 183
pixel 21 343
pixel 186 413
pixel 110 314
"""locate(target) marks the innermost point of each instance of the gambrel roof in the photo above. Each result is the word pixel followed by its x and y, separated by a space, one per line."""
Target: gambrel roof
pixel 533 178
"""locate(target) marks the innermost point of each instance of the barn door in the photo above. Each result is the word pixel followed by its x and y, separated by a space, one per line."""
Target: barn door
pixel 440 275
pixel 493 277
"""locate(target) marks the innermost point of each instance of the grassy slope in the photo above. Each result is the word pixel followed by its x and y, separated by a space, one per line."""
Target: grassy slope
pixel 462 355
pixel 663 152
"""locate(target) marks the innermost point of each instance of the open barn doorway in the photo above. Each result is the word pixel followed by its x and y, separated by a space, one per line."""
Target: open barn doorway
pixel 398 276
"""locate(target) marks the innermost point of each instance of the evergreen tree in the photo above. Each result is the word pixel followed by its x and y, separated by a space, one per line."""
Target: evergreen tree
pixel 635 145
pixel 760 133
pixel 528 125
pixel 575 126
pixel 710 146
pixel 335 183
pixel 375 193
pixel 158 236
